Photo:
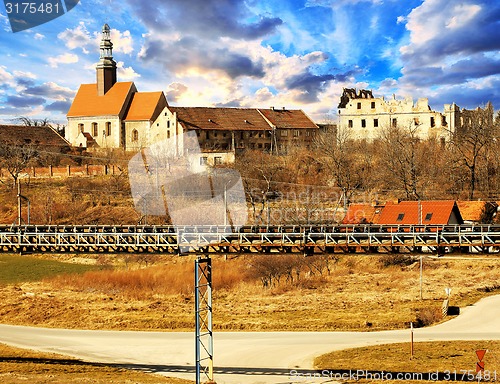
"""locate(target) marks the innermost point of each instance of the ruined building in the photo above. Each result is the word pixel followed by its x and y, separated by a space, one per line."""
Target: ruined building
pixel 365 116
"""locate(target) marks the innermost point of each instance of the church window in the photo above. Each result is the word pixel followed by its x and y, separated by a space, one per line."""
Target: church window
pixel 135 135
pixel 80 127
pixel 95 130
pixel 108 129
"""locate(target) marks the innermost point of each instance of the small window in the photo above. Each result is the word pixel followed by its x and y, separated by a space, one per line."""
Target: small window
pixel 433 122
pixel 296 133
pixel 363 123
pixel 217 160
pixel 108 129
pixel 168 134
pixel 308 133
pixel 428 216
pixel 400 217
pixel 394 122
pixel 95 130
pixel 350 124
pixel 203 160
pixel 284 132
pixel 168 124
pixel 135 135
pixel 375 123
pixel 373 105
pixel 80 127
pixel 359 105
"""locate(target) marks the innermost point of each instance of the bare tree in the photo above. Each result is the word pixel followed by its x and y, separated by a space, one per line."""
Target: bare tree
pixel 29 122
pixel 15 158
pixel 469 144
pixel 401 159
pixel 339 154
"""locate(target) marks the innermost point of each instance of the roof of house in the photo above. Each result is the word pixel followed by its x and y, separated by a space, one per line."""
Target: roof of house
pixel 471 210
pixel 241 119
pixel 146 106
pixel 288 118
pixel 362 214
pixel 45 136
pixel 424 212
pixel 221 118
pixel 114 102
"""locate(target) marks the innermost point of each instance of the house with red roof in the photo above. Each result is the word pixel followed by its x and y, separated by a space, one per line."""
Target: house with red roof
pixel 439 212
pixel 363 214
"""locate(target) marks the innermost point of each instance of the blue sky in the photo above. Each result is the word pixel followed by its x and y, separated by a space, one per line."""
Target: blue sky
pixel 294 54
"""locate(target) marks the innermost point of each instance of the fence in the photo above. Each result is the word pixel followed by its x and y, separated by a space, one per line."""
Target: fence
pixel 66 171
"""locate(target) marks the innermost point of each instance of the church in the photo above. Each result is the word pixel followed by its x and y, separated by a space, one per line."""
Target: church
pixel 112 114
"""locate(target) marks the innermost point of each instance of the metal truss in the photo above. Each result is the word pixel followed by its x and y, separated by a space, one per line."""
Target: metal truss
pixel 275 239
pixel 204 349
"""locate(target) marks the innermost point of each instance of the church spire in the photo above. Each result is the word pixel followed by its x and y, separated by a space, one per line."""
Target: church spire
pixel 106 69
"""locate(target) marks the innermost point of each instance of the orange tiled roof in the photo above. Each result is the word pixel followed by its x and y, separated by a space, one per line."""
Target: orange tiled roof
pixel 114 102
pixel 471 210
pixel 288 118
pixel 146 106
pixel 221 118
pixel 431 212
pixel 362 214
pixel 44 136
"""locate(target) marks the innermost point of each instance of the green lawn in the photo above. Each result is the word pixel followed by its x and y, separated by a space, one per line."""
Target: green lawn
pixel 16 269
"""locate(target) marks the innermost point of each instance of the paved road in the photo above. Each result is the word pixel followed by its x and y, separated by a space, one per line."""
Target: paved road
pixel 241 357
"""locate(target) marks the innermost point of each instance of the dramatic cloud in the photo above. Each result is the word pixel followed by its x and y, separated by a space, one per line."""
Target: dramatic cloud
pixel 50 90
pixel 59 106
pixel 175 91
pixel 453 46
pixel 24 101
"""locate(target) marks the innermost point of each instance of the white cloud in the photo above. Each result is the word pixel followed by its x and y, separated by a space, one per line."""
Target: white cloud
pixel 78 37
pixel 66 58
pixel 5 77
pixel 126 73
pixel 39 36
pixel 122 41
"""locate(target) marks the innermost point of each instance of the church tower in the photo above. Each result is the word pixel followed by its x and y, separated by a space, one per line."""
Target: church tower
pixel 106 69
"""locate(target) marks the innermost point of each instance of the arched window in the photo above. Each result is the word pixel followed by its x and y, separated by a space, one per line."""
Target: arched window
pixel 135 135
pixel 94 129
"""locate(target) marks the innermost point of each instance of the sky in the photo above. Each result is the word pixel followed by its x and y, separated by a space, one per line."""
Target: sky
pixel 282 53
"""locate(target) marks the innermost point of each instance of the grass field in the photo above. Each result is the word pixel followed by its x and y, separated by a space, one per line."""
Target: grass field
pixel 358 293
pixel 453 360
pixel 15 269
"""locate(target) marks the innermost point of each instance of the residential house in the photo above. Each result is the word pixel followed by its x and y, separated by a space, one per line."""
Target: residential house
pixel 439 212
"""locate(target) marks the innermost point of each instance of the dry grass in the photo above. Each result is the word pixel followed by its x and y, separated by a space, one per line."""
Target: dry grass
pixel 451 356
pixel 23 366
pixel 358 294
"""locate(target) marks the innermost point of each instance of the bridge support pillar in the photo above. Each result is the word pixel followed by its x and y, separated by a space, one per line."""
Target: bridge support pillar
pixel 204 347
